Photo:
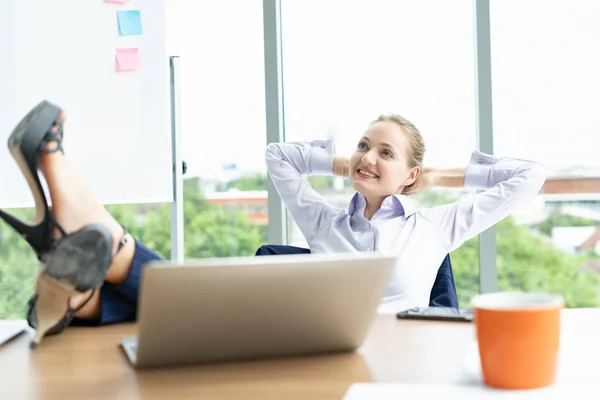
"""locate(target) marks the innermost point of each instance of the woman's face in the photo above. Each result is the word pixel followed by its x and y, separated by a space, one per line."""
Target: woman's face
pixel 379 165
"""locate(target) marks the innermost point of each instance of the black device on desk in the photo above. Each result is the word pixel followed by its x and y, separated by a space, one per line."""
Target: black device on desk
pixel 437 314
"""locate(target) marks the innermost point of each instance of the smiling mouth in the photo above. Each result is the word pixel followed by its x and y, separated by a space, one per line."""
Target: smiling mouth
pixel 365 174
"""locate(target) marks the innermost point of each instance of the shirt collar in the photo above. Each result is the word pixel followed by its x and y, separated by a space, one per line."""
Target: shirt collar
pixel 401 204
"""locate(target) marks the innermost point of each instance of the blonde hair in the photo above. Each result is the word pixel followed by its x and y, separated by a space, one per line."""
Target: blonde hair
pixel 416 152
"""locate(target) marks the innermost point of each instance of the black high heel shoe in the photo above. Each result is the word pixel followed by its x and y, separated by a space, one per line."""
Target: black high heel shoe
pixel 26 143
pixel 72 264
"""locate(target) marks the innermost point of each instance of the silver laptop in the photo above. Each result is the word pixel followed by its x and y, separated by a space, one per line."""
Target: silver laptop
pixel 242 308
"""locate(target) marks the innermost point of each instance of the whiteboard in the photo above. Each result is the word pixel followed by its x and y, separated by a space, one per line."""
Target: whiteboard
pixel 118 123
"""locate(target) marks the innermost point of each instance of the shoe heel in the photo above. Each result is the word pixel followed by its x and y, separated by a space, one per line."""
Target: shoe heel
pixel 37 236
pixel 51 306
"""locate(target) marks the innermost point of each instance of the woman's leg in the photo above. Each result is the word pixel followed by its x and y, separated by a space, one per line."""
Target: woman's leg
pixel 75 206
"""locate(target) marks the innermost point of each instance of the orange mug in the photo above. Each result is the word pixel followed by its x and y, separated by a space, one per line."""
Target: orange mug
pixel 518 336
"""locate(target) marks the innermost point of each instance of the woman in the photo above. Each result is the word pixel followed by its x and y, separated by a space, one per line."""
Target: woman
pixel 385 170
pixel 91 265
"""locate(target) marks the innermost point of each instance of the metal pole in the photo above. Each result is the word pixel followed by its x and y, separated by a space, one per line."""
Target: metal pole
pixel 488 273
pixel 177 240
pixel 274 110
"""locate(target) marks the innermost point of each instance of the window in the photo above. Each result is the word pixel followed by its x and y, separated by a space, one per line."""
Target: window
pixel 345 63
pixel 223 123
pixel 546 91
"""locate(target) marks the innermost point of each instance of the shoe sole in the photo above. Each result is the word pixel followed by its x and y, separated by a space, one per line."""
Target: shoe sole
pixel 82 258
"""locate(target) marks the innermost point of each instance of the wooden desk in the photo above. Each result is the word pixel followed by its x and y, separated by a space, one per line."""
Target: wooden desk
pixel 87 363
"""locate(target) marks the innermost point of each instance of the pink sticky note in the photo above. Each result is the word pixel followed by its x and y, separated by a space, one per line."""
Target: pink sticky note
pixel 117 1
pixel 128 59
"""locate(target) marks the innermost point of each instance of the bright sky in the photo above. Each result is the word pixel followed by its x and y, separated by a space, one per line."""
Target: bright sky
pixel 346 62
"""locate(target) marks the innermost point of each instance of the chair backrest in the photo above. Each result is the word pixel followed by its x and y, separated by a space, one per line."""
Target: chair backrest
pixel 443 291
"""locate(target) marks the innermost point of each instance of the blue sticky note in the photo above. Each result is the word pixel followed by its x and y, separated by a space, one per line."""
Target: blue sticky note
pixel 130 22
